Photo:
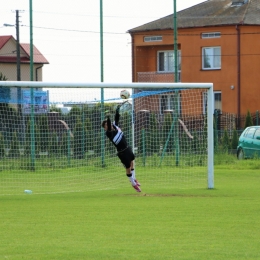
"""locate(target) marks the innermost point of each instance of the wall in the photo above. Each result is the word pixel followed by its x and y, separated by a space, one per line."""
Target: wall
pixel 190 43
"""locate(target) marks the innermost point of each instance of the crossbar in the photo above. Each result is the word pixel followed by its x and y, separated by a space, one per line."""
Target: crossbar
pixel 41 84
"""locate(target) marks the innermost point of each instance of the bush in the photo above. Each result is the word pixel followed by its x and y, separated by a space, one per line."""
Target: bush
pixel 2 146
pixel 234 141
pixel 14 151
pixel 79 134
pixel 249 120
pixel 225 141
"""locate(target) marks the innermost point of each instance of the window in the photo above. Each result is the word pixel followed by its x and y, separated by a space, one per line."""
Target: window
pixel 210 35
pixel 238 3
pixel 246 132
pixel 152 38
pixel 217 101
pixel 165 61
pixel 257 134
pixel 211 58
pixel 167 103
pixel 250 133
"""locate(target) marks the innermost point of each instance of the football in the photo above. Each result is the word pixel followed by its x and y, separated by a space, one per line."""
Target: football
pixel 124 94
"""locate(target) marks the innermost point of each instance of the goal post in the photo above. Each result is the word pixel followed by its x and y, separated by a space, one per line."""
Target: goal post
pixel 51 138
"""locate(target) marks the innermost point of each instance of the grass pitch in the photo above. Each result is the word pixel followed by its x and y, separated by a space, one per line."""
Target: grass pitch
pixel 222 223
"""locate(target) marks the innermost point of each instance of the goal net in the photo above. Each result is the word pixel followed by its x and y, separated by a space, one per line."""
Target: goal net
pixel 51 139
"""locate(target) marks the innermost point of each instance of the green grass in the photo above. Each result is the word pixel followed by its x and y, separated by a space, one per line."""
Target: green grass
pixel 55 175
pixel 222 223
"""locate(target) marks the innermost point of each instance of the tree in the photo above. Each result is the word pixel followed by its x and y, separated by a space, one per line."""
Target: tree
pixel 53 144
pixel 234 141
pixel 89 137
pixel 54 108
pixel 4 91
pixel 225 141
pixel 153 143
pixel 2 146
pixel 249 120
pixel 79 132
pixel 8 115
pixel 64 145
pixel 9 118
pixel 44 133
pixel 167 138
pixel 14 151
pixel 74 114
pixel 28 140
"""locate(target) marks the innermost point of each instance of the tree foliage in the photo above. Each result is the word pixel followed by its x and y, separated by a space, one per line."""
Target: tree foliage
pixel 225 141
pixel 167 138
pixel 79 135
pixel 44 133
pixel 54 108
pixel 14 151
pixel 249 120
pixel 234 141
pixel 4 91
pixel 2 146
pixel 153 142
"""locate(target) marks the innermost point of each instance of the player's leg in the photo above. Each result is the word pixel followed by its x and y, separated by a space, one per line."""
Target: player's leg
pixel 126 159
pixel 129 175
pixel 133 173
pixel 133 181
pixel 132 169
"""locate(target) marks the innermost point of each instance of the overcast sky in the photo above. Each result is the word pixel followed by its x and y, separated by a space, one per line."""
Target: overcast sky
pixel 67 33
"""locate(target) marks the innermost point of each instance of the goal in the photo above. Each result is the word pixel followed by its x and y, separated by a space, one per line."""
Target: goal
pixel 51 140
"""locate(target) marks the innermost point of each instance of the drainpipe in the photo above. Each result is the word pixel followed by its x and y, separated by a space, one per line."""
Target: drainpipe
pixel 133 63
pixel 238 74
pixel 36 72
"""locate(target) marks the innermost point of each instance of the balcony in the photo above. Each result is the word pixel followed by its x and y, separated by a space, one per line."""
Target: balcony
pixel 154 76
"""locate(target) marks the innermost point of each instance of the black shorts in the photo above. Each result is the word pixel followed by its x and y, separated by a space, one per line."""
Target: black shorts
pixel 126 157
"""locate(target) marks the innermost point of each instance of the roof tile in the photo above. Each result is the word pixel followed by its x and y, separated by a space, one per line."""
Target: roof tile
pixel 4 40
pixel 37 55
pixel 208 13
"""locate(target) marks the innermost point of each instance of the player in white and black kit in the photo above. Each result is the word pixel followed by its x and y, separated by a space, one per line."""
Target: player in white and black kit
pixel 124 152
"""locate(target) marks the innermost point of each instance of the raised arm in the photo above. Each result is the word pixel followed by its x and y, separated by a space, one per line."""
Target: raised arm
pixel 109 127
pixel 117 115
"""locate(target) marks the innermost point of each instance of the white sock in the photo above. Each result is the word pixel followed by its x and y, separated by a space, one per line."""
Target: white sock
pixel 133 173
pixel 132 180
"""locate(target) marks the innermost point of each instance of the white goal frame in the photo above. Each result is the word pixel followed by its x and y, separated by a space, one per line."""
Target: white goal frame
pixel 206 86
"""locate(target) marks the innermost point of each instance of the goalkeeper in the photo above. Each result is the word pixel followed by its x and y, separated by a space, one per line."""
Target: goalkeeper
pixel 124 152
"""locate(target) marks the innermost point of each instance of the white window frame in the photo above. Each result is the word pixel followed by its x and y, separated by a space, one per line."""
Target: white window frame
pixel 211 58
pixel 168 61
pixel 217 102
pixel 238 3
pixel 209 35
pixel 169 106
pixel 153 38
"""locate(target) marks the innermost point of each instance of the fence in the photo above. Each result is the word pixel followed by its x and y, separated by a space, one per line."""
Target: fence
pixel 231 121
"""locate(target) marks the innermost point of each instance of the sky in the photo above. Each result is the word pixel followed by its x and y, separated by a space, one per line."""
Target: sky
pixel 67 33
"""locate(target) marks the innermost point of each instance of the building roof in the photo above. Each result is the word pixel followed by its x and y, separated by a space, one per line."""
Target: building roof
pixel 209 13
pixel 37 56
pixel 4 40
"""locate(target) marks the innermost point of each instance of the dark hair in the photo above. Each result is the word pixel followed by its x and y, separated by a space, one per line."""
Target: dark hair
pixel 103 123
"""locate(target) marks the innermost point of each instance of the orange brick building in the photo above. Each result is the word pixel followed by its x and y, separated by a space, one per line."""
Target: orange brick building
pixel 218 42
